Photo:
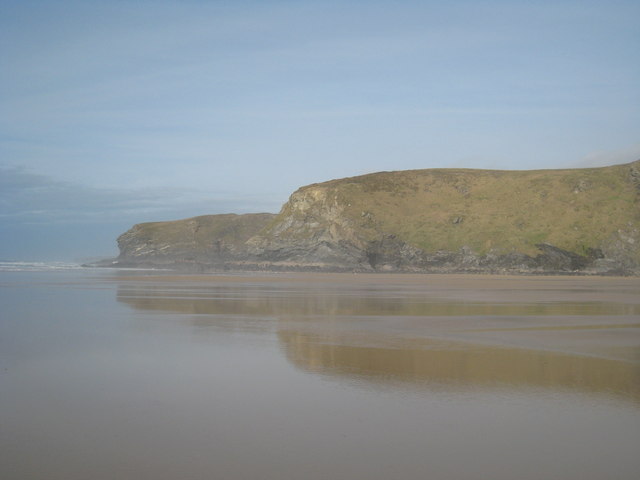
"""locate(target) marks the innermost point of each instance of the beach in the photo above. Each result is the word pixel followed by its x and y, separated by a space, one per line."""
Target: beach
pixel 147 374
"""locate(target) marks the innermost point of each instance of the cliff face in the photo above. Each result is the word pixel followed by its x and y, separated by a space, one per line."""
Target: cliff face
pixel 198 243
pixel 439 220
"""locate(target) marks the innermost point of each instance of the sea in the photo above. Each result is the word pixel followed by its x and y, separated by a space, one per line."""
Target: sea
pixel 147 374
pixel 37 266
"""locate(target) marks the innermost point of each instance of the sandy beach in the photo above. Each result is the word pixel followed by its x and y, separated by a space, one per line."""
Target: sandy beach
pixel 144 374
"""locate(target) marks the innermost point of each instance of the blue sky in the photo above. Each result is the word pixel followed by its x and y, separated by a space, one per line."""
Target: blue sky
pixel 118 112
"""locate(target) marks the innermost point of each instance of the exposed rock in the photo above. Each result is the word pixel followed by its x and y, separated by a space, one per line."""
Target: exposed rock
pixel 558 260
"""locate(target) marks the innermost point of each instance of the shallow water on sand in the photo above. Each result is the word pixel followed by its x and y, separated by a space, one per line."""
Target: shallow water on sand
pixel 141 375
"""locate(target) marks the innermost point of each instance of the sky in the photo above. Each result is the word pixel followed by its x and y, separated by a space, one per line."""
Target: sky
pixel 116 112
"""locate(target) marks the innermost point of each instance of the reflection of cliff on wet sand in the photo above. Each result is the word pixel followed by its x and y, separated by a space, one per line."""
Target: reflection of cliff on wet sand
pixel 283 300
pixel 447 364
pixel 414 331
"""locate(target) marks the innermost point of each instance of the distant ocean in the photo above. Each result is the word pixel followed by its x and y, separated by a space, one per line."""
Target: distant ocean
pixel 37 266
pixel 6 266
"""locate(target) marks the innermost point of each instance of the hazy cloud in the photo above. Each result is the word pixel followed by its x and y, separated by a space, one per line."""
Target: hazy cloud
pixel 612 157
pixel 33 198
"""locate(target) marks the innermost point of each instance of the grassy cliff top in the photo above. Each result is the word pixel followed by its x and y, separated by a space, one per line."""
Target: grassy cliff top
pixel 445 209
pixel 198 232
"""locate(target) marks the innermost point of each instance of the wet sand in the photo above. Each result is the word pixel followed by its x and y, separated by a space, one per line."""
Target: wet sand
pixel 594 316
pixel 154 375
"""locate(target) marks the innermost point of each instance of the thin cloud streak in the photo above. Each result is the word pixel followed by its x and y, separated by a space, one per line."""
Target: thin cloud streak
pixel 36 199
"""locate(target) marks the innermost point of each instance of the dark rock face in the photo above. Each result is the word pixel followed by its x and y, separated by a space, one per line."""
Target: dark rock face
pixel 441 221
pixel 556 259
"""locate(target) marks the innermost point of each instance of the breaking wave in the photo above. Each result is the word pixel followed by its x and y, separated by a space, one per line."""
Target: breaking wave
pixel 37 266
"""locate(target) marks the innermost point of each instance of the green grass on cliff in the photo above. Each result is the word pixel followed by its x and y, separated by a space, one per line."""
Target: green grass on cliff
pixel 445 209
pixel 203 232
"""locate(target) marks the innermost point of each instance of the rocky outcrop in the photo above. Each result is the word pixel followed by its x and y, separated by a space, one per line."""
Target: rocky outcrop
pixel 202 243
pixel 441 220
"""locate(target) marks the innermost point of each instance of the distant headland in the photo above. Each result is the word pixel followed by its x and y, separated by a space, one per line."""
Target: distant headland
pixel 570 221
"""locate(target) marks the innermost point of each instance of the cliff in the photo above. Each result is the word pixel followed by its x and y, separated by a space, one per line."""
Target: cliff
pixel 437 220
pixel 198 243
